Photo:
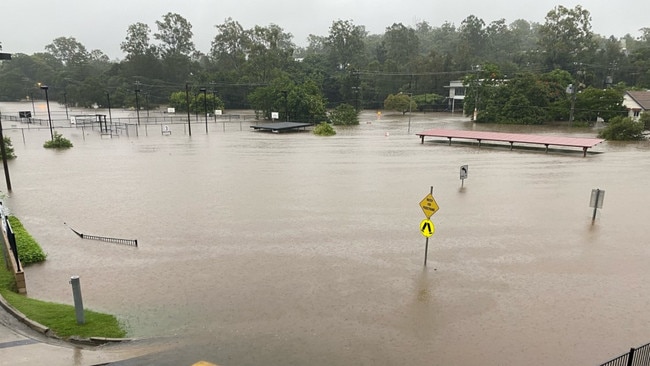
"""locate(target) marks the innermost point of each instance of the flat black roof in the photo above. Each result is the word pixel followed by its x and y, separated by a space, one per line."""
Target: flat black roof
pixel 281 126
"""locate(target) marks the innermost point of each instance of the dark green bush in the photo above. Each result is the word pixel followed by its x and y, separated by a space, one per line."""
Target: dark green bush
pixel 622 129
pixel 29 251
pixel 324 129
pixel 344 114
pixel 58 142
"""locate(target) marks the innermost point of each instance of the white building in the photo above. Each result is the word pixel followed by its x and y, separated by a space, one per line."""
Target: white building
pixel 636 102
pixel 456 93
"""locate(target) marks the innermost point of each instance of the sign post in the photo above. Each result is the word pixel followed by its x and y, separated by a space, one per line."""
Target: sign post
pixel 596 201
pixel 463 174
pixel 429 207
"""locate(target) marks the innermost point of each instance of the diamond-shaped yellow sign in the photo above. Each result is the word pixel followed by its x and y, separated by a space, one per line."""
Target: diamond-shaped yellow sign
pixel 429 205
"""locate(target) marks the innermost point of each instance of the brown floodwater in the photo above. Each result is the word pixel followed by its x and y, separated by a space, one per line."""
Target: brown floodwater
pixel 276 249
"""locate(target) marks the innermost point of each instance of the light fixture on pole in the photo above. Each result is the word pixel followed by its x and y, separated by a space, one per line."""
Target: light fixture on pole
pixel 49 117
pixel 205 107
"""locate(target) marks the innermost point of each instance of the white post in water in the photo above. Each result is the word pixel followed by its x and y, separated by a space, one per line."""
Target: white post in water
pixel 463 174
pixel 596 201
pixel 78 303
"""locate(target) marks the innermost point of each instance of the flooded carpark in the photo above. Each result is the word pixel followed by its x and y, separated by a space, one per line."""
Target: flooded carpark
pixel 297 249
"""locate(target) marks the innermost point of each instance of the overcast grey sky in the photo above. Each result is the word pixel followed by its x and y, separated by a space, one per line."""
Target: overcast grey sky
pixel 26 26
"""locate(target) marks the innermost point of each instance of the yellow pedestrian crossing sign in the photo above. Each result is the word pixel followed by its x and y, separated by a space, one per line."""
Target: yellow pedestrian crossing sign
pixel 426 228
pixel 429 205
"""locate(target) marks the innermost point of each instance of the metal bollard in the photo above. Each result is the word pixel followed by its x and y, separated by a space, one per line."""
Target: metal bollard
pixel 78 303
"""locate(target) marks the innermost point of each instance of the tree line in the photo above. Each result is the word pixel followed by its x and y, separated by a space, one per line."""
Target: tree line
pixel 261 68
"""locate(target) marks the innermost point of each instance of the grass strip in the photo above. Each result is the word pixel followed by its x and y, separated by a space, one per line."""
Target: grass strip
pixel 60 318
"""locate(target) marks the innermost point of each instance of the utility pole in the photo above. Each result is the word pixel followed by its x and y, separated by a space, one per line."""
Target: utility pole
pixel 477 68
pixel 187 101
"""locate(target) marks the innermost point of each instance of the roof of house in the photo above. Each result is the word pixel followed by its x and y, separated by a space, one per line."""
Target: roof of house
pixel 642 98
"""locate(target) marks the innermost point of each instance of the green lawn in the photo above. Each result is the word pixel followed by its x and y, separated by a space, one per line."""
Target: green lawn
pixel 61 319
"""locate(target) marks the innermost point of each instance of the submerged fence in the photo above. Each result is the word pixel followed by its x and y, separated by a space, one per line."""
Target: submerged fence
pixel 131 242
pixel 636 357
pixel 134 126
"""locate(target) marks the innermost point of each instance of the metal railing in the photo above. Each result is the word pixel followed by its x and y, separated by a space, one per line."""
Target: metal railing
pixel 636 357
pixel 125 125
pixel 6 226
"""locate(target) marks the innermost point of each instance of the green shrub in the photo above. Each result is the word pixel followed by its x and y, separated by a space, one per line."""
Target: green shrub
pixel 324 129
pixel 29 251
pixel 622 129
pixel 344 114
pixel 645 119
pixel 58 142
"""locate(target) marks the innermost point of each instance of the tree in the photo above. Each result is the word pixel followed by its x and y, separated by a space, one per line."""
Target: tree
pixel 566 37
pixel 622 129
pixel 302 102
pixel 68 51
pixel 345 44
pixel 137 41
pixel 230 45
pixel 178 101
pixel 593 103
pixel 58 142
pixel 270 52
pixel 402 45
pixel 523 100
pixel 481 88
pixel 445 38
pixel 400 102
pixel 9 148
pixel 175 35
pixel 472 40
pixel 324 129
pixel 344 114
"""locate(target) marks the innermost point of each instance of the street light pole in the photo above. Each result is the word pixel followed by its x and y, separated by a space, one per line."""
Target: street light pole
pixel 410 102
pixel 214 101
pixel 286 105
pixel 137 101
pixel 31 97
pixel 108 98
pixel 205 107
pixel 3 151
pixel 477 82
pixel 65 103
pixel 49 117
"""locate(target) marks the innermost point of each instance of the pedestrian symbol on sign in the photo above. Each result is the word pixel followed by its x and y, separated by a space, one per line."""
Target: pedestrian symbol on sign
pixel 426 228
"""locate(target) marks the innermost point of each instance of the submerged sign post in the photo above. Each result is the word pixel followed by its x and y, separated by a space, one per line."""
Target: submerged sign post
pixel 463 174
pixel 596 201
pixel 429 207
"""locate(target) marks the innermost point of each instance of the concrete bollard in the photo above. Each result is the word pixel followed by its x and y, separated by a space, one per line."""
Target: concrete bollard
pixel 78 302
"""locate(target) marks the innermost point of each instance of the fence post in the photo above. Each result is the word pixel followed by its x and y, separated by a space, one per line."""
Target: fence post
pixel 630 357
